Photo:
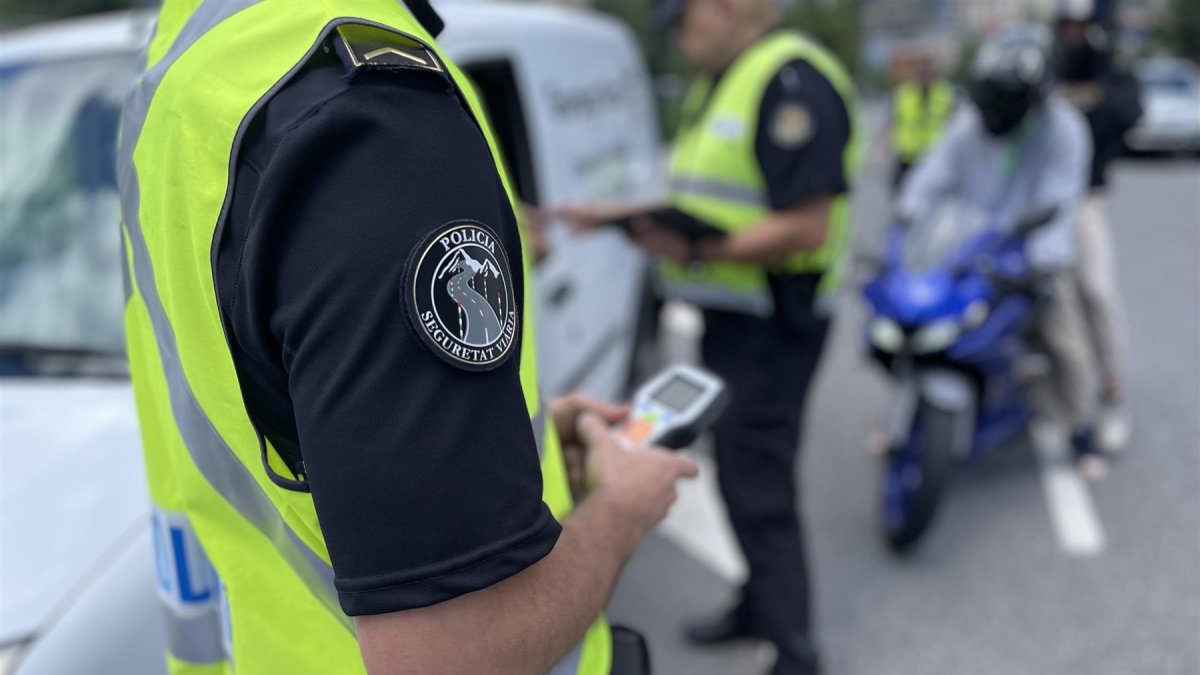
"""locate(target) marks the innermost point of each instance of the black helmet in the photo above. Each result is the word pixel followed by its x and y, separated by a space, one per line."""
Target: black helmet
pixel 1010 76
pixel 1083 31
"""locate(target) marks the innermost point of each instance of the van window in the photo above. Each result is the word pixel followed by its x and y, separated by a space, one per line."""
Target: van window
pixel 60 262
pixel 497 85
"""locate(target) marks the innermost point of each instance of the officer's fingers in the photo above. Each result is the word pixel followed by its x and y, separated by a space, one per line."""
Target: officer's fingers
pixel 591 429
pixel 615 412
pixel 575 459
pixel 611 412
pixel 679 465
pixel 685 467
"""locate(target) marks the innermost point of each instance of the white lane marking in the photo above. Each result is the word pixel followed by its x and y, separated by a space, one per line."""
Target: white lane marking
pixel 697 524
pixel 1072 512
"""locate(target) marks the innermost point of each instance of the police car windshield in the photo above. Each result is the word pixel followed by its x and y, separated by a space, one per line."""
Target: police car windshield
pixel 934 238
pixel 60 261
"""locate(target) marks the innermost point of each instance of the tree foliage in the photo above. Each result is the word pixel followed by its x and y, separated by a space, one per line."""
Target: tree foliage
pixel 1181 29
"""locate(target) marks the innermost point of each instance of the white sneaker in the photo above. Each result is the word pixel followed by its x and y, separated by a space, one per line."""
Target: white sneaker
pixel 1113 429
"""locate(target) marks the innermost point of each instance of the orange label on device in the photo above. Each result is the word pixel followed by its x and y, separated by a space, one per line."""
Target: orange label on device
pixel 635 432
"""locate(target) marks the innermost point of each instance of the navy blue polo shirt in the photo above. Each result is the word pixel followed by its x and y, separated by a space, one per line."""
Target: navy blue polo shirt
pixel 369 276
pixel 803 129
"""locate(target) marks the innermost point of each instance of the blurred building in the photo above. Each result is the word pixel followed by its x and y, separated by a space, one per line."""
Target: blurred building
pixel 945 27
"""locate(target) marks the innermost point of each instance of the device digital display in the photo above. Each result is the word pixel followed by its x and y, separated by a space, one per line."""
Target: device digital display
pixel 678 393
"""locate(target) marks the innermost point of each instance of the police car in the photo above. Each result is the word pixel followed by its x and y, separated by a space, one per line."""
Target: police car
pixel 571 103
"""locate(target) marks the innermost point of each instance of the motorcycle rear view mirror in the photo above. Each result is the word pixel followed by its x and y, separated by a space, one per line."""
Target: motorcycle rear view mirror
pixel 1034 219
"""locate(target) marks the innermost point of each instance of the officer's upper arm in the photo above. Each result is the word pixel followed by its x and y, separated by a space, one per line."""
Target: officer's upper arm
pixel 393 283
pixel 801 138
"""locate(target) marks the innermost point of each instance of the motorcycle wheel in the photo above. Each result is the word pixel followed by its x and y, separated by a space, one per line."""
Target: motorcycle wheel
pixel 915 476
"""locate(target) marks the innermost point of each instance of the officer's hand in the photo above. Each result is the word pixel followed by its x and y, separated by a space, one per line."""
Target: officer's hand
pixel 565 411
pixel 660 241
pixel 534 220
pixel 639 483
pixel 580 216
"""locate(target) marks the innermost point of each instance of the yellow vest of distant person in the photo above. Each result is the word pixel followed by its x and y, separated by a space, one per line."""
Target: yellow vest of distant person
pixel 242 566
pixel 919 117
pixel 716 177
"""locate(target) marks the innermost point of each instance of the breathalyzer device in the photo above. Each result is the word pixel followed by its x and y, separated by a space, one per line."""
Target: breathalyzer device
pixel 673 408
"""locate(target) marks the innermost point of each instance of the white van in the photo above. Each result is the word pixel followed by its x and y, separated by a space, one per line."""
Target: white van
pixel 571 103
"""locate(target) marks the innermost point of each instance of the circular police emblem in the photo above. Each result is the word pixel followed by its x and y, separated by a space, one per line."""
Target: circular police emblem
pixel 792 125
pixel 459 296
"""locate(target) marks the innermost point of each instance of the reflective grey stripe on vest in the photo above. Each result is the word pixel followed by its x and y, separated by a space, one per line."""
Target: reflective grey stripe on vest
pixel 730 192
pixel 211 455
pixel 194 639
pixel 708 296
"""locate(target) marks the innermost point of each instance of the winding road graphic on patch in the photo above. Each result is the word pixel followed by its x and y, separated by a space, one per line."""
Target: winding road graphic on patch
pixel 480 323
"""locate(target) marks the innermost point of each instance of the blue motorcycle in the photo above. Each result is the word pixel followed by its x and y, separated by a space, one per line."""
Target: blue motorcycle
pixel 950 305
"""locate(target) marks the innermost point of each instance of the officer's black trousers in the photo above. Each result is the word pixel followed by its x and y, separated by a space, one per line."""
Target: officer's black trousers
pixel 768 365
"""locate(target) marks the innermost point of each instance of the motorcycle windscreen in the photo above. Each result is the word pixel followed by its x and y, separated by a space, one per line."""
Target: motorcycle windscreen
pixel 940 234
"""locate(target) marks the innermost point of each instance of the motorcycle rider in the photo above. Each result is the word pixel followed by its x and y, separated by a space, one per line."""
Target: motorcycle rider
pixel 1109 98
pixel 1021 148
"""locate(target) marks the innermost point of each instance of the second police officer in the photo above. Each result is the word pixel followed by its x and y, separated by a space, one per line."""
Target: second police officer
pixel 764 152
pixel 921 105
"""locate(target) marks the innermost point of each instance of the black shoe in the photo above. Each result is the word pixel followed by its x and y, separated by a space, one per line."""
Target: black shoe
pixel 807 664
pixel 731 625
pixel 1083 443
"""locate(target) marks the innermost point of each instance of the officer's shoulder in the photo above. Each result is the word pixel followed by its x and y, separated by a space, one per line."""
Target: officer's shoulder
pixel 799 79
pixel 363 47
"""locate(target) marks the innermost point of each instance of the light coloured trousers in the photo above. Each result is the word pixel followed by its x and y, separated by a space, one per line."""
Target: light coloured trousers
pixel 1096 278
pixel 1068 393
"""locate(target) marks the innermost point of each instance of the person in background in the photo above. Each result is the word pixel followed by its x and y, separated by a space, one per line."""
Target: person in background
pixel 1020 148
pixel 922 103
pixel 1110 100
pixel 764 154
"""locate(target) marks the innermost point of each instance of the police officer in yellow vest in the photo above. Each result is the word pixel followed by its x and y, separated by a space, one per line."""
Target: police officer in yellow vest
pixel 921 106
pixel 331 340
pixel 764 154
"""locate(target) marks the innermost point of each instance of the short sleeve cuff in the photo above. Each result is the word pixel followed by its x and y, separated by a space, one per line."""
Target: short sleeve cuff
pixel 786 197
pixel 421 588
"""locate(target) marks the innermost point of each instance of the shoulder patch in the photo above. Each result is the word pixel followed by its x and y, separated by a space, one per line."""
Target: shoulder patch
pixel 792 125
pixel 457 292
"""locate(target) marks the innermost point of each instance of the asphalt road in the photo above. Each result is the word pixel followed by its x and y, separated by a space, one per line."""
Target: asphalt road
pixel 996 588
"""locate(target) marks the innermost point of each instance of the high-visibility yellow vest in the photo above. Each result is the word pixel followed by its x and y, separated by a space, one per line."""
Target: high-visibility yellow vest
pixel 919 117
pixel 715 175
pixel 242 567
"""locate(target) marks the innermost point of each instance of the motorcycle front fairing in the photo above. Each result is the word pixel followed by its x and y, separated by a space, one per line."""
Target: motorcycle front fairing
pixel 948 333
